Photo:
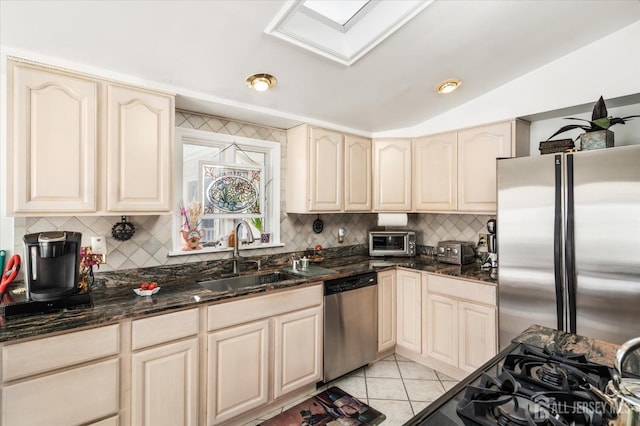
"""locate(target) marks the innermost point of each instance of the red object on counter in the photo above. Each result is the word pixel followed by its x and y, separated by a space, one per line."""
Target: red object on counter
pixel 10 273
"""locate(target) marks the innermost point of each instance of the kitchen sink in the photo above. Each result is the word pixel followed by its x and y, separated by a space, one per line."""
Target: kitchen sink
pixel 244 281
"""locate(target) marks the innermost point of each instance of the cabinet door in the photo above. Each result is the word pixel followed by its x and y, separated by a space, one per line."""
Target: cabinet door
pixel 139 148
pixel 165 385
pixel 325 171
pixel 357 173
pixel 52 141
pixel 71 397
pixel 386 310
pixel 435 173
pixel 298 350
pixel 409 310
pixel 478 149
pixel 477 335
pixel 238 370
pixel 392 175
pixel 442 322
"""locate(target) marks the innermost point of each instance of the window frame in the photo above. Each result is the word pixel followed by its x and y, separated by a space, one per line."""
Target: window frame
pixel 272 184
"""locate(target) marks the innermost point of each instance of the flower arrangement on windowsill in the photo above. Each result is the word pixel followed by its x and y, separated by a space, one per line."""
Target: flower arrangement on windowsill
pixel 88 259
pixel 191 232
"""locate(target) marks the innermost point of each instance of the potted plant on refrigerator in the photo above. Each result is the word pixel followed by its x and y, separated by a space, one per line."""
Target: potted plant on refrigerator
pixel 597 134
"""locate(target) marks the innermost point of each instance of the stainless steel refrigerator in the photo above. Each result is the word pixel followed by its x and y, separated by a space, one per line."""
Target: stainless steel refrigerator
pixel 568 231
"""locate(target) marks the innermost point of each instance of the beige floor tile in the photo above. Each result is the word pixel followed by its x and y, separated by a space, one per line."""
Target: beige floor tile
pixel 400 358
pixel 385 388
pixel 448 384
pixel 412 370
pixel 387 369
pixel 397 412
pixel 444 377
pixel 354 386
pixel 423 390
pixel 419 406
pixel 389 358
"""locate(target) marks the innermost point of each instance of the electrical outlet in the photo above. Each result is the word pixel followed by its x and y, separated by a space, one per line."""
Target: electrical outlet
pixel 99 246
pixel 482 240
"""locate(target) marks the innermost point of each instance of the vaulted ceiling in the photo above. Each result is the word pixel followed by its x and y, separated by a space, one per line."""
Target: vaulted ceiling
pixel 204 50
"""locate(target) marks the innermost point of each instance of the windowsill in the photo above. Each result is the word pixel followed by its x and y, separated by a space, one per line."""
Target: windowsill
pixel 206 250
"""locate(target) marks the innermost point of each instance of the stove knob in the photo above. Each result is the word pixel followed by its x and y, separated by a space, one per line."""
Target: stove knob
pixel 441 250
pixel 455 251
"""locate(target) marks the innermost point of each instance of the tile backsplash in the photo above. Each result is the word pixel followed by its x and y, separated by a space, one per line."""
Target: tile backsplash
pixel 152 241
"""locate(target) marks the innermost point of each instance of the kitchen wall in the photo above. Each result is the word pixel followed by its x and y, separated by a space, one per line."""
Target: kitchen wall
pixel 152 241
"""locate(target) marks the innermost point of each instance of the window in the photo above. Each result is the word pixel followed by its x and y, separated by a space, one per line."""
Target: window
pixel 230 178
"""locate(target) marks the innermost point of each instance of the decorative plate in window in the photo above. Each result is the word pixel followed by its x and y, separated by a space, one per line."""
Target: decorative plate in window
pixel 231 190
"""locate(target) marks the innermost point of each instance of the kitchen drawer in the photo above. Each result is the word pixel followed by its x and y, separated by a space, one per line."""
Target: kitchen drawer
pixel 38 356
pixel 247 310
pixel 72 397
pixel 163 328
pixel 462 289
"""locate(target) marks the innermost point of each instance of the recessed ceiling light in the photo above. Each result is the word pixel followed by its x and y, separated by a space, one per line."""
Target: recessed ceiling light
pixel 448 86
pixel 261 82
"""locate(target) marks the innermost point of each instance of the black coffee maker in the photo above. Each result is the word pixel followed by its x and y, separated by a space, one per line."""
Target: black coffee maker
pixel 52 264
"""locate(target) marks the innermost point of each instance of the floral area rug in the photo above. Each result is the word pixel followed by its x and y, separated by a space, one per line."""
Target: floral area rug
pixel 332 407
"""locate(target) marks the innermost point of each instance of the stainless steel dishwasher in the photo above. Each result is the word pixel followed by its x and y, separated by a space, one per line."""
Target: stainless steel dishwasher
pixel 350 323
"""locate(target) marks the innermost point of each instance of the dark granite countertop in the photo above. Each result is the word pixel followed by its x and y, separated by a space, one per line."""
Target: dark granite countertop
pixel 597 351
pixel 182 291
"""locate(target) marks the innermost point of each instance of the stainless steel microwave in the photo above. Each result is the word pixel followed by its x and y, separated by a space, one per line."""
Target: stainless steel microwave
pixel 392 243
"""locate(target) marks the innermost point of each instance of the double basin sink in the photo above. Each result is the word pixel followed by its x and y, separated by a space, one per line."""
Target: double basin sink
pixel 245 281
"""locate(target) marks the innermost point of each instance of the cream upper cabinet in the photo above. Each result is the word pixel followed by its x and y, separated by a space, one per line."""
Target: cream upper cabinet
pixel 386 310
pixel 478 149
pixel 327 171
pixel 392 175
pixel 357 173
pixel 435 173
pixel 139 146
pixel 52 141
pixel 79 145
pixel 409 310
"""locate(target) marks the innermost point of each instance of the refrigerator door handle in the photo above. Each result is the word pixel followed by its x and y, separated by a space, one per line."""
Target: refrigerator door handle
pixel 557 243
pixel 570 248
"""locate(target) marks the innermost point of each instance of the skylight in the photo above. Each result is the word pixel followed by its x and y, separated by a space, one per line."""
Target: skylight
pixel 338 11
pixel 343 31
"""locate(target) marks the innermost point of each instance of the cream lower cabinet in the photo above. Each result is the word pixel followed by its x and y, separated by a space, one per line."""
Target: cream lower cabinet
pixel 62 380
pixel 78 145
pixel 386 310
pixel 238 370
pixel 409 310
pixel 164 370
pixel 460 322
pixel 248 339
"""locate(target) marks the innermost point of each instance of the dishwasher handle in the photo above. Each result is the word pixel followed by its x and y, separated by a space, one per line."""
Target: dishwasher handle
pixel 353 282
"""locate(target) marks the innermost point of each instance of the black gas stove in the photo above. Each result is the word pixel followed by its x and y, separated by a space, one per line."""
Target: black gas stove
pixel 525 386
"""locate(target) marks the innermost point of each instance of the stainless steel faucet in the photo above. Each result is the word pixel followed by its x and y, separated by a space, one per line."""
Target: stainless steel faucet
pixel 236 243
